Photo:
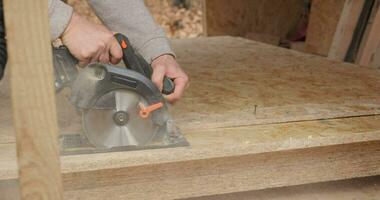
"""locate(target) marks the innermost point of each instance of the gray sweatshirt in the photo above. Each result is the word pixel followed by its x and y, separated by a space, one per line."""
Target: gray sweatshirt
pixel 129 17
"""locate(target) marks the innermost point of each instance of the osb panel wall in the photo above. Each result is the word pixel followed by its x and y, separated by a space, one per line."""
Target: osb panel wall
pixel 241 17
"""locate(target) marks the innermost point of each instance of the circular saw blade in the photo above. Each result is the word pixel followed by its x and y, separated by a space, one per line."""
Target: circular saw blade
pixel 120 126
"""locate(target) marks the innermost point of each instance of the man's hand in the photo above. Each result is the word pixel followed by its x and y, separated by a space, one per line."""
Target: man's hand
pixel 166 65
pixel 90 42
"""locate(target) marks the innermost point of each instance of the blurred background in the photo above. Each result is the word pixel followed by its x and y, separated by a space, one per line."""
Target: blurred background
pixel 179 18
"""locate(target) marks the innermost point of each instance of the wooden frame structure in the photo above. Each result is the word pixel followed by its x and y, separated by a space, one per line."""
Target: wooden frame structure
pixel 258 117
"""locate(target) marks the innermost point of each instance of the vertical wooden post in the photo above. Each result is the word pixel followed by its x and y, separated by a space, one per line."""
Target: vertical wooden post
pixel 345 29
pixel 33 98
pixel 372 44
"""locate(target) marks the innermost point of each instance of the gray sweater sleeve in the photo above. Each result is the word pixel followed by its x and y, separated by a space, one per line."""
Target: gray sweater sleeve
pixel 132 18
pixel 59 16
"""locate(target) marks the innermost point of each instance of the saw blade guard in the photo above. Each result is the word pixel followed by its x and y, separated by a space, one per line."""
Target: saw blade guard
pixel 97 79
pixel 111 100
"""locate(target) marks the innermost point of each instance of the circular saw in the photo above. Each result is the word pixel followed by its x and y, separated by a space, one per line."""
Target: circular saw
pixel 122 109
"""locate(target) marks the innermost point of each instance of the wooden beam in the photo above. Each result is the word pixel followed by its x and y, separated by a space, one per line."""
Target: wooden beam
pixel 372 43
pixel 324 18
pixel 33 98
pixel 345 29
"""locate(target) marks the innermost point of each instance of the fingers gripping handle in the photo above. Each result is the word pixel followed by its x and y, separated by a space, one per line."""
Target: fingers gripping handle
pixel 137 63
pixel 130 58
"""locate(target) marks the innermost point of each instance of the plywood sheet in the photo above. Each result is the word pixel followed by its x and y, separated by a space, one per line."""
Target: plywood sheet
pixel 235 82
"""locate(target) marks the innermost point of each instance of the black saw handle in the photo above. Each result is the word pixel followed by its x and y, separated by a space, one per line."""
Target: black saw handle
pixel 136 62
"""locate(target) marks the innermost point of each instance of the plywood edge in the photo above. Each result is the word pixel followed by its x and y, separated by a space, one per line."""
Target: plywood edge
pixel 73 165
pixel 225 174
pixel 229 174
pixel 222 142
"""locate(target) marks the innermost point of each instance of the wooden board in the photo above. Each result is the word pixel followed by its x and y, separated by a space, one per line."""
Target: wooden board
pixel 372 43
pixel 345 29
pixel 247 17
pixel 33 102
pixel 370 22
pixel 233 146
pixel 324 18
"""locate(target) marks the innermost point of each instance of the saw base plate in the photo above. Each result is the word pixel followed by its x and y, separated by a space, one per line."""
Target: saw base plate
pixel 74 144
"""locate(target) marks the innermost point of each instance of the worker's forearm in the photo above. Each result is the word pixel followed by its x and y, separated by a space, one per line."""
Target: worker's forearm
pixel 132 18
pixel 59 16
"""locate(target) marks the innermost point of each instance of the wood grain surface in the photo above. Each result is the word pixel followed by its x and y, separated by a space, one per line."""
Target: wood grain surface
pixel 33 102
pixel 238 82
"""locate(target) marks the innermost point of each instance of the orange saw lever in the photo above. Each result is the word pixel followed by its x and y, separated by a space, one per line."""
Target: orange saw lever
pixel 145 111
